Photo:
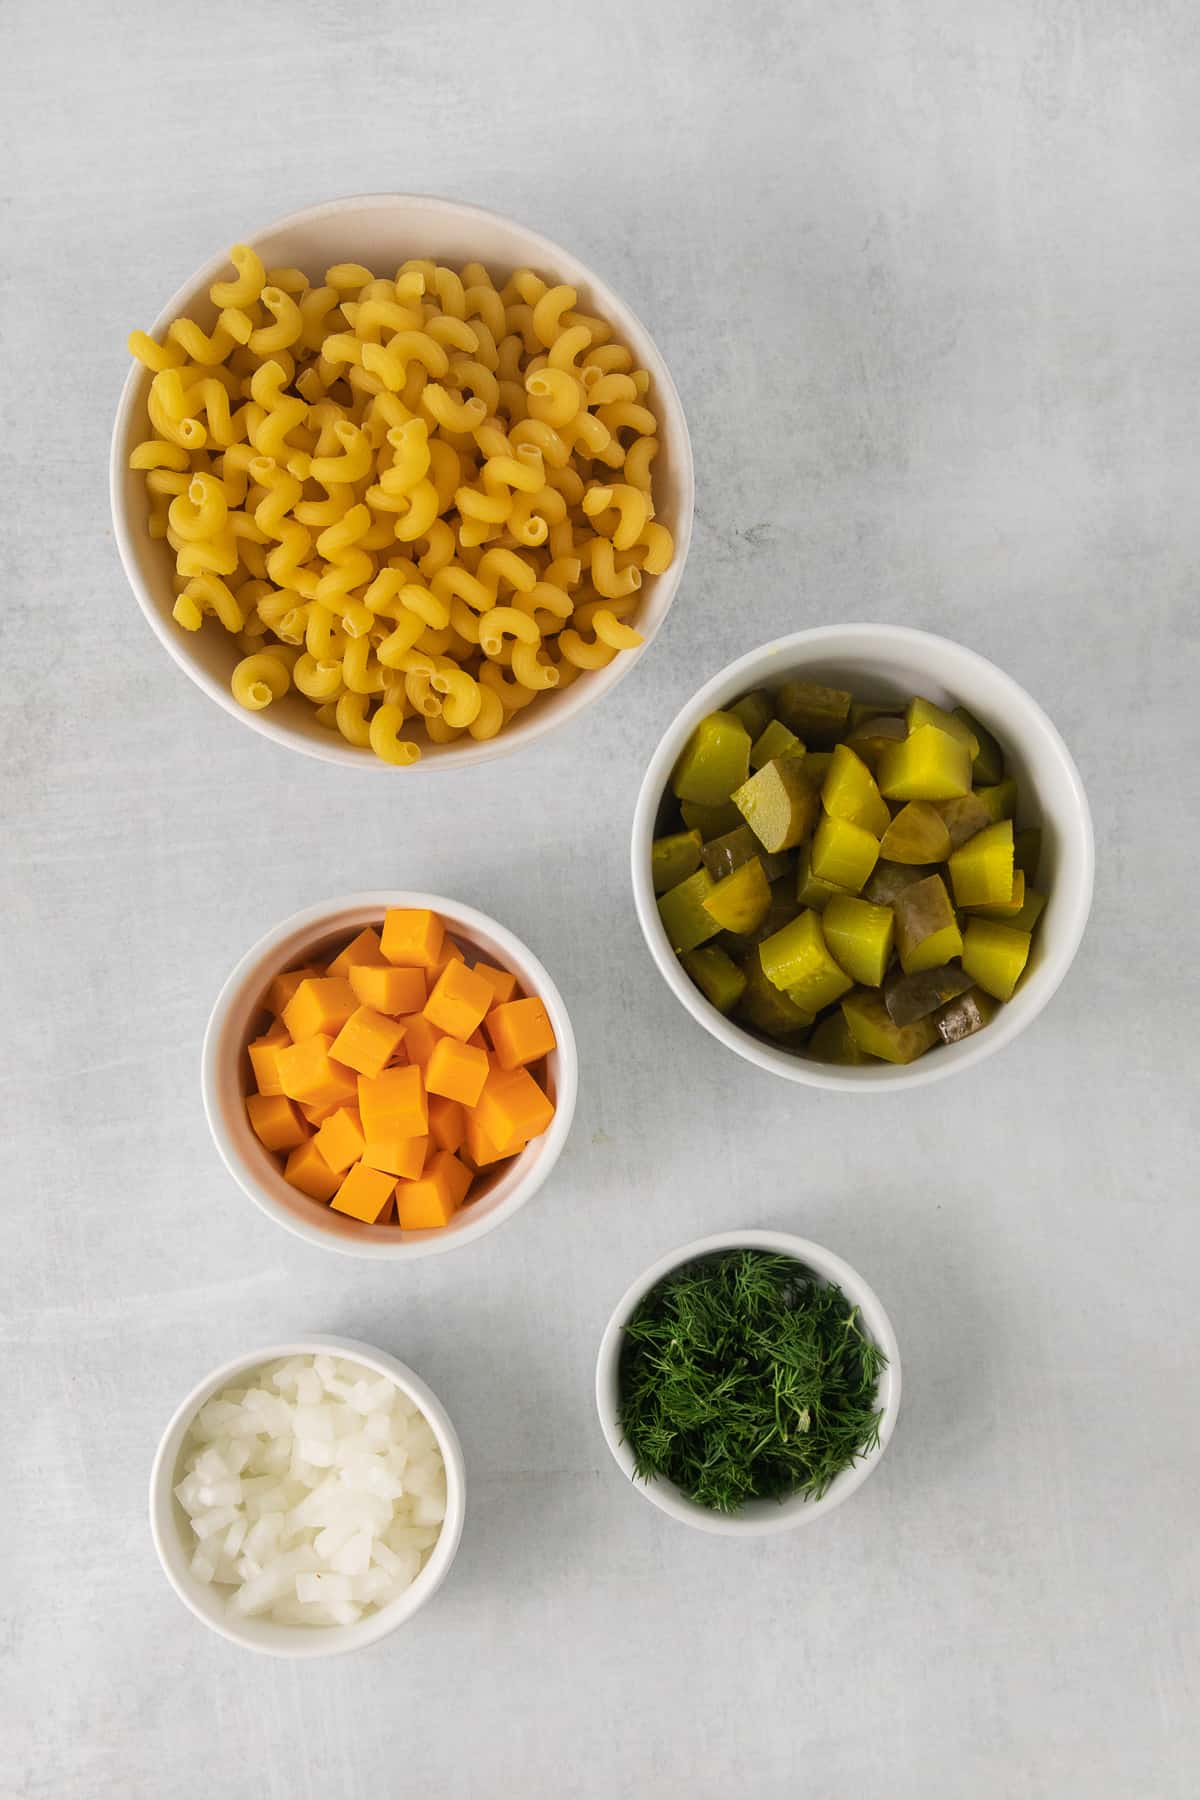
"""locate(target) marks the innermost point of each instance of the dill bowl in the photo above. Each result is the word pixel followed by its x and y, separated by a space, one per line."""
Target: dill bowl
pixel 758 1518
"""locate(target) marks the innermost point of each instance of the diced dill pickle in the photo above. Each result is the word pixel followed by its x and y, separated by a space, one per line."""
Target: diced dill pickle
pixel 843 853
pixel 729 852
pixel 1006 910
pixel 917 834
pixel 765 1007
pixel 994 956
pixel 1027 851
pixel 818 715
pixel 715 760
pixel 860 936
pixel 964 817
pixel 782 908
pixel 912 997
pixel 682 912
pixel 929 765
pixel 740 901
pixel 797 959
pixel 710 821
pixel 887 879
pixel 818 764
pixel 875 1031
pixel 849 792
pixel 927 933
pixel 716 975
pixel 962 1017
pixel 982 869
pixel 989 759
pixel 775 741
pixel 779 803
pixel 810 891
pixel 755 711
pixel 674 858
pixel 870 739
pixel 1001 800
pixel 924 712
pixel 862 712
pixel 1030 912
pixel 831 1041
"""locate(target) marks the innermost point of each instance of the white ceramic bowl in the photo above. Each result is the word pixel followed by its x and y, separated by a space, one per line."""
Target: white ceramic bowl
pixel 893 662
pixel 226 1079
pixel 382 230
pixel 759 1518
pixel 174 1541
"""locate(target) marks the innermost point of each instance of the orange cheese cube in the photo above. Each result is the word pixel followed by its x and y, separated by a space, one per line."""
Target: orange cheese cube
pixel 284 986
pixel 307 1170
pixel 447 1122
pixel 367 1041
pixel 393 1105
pixel 419 1038
pixel 412 937
pixel 521 1033
pixel 310 1075
pixel 397 1156
pixel 361 952
pixel 263 1053
pixel 512 1107
pixel 317 1115
pixel 480 1147
pixel 275 1121
pixel 459 1000
pixel 450 953
pixel 388 989
pixel 457 1071
pixel 502 981
pixel 320 1003
pixel 364 1193
pixel 340 1139
pixel 433 1200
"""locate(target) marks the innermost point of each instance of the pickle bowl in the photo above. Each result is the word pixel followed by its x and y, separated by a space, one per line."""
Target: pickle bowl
pixel 758 1518
pixel 382 231
pixel 226 1079
pixel 885 662
pixel 175 1543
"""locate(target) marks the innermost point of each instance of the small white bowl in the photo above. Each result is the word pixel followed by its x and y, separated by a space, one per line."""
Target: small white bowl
pixel 894 662
pixel 226 1079
pixel 759 1518
pixel 382 230
pixel 175 1543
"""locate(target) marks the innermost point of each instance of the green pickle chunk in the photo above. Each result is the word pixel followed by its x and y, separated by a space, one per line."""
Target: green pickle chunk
pixel 927 933
pixel 1027 852
pixel 775 740
pixel 875 1031
pixel 930 764
pixel 870 739
pixel 831 1041
pixel 994 956
pixel 843 854
pixel 917 834
pixel 924 712
pixel 981 871
pixel 961 1018
pixel 963 817
pixel 740 901
pixel 674 858
pixel 887 879
pixel 1030 912
pixel 764 1006
pixel 849 792
pixel 912 997
pixel 797 959
pixel 1006 909
pixel 683 914
pixel 728 852
pixel 1001 800
pixel 714 761
pixel 989 758
pixel 810 890
pixel 818 715
pixel 716 975
pixel 779 803
pixel 710 821
pixel 755 711
pixel 860 936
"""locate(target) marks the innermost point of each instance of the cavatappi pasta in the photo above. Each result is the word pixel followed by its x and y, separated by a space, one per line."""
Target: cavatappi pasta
pixel 421 502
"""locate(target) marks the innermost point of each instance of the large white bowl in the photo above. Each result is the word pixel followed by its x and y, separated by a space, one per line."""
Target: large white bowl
pixel 894 662
pixel 758 1518
pixel 382 230
pixel 174 1541
pixel 226 1079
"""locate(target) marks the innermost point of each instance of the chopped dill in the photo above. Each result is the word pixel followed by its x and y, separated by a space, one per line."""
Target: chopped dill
pixel 743 1378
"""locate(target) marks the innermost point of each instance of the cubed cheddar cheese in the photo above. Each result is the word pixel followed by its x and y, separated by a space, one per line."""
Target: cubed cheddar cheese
pixel 480 1147
pixel 459 1001
pixel 412 937
pixel 340 1139
pixel 322 1003
pixel 263 1053
pixel 502 981
pixel 393 1105
pixel 367 1041
pixel 311 1076
pixel 433 1200
pixel 447 1122
pixel 456 1071
pixel 364 951
pixel 364 1193
pixel 317 1115
pixel 451 952
pixel 512 1107
pixel 275 1121
pixel 307 1170
pixel 388 989
pixel 419 1038
pixel 521 1033
pixel 397 1156
pixel 284 986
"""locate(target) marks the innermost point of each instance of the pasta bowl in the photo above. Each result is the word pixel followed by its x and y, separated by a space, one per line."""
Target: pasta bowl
pixel 381 231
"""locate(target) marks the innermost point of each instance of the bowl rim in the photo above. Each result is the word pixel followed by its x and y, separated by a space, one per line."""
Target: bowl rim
pixel 460 917
pixel 331 1640
pixel 845 642
pixel 528 730
pixel 772 1519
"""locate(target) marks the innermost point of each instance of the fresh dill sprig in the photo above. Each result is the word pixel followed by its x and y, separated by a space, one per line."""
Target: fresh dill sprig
pixel 743 1378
